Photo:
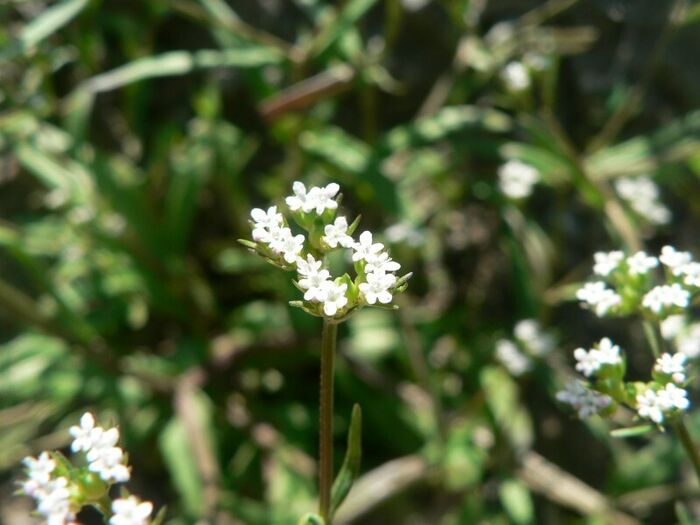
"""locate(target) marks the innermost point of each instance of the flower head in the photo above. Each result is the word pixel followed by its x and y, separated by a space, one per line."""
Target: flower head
pixel 585 401
pixel 130 511
pixel 516 179
pixel 672 365
pixel 366 248
pixel 664 297
pixel 640 263
pixel 607 262
pixel 378 287
pixel 598 296
pixel 337 234
pixel 335 298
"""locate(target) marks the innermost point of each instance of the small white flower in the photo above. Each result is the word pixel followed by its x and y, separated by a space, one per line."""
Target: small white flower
pixel 287 244
pixel 607 262
pixel 85 435
pixel 308 266
pixel 642 194
pixel 513 359
pixel 640 263
pixel 516 179
pixel 691 274
pixel 377 287
pixel 315 283
pixel 672 397
pixel 590 361
pixel 666 296
pixel 674 260
pixel 322 198
pixel 337 234
pixel 335 298
pixel 130 511
pixel 381 262
pixel 39 469
pixel 366 248
pixel 529 333
pixel 53 502
pixel 516 76
pixel 584 400
pixel 299 199
pixel 672 326
pixel 599 297
pixel 648 406
pixel 672 365
pixel 689 341
pixel 266 223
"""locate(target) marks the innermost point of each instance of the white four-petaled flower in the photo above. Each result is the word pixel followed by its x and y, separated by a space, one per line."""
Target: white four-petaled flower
pixel 337 234
pixel 130 511
pixel 377 287
pixel 672 365
pixel 607 262
pixel 335 298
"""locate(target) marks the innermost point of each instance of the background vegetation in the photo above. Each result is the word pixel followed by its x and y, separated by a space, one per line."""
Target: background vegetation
pixel 135 136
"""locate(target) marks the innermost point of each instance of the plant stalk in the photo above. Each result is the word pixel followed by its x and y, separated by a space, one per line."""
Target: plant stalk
pixel 653 335
pixel 328 343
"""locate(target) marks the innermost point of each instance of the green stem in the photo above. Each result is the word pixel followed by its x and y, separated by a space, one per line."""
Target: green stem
pixel 653 335
pixel 691 449
pixel 329 336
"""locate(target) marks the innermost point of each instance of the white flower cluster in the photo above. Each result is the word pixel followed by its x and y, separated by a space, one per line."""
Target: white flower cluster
pixel 516 179
pixel 104 457
pixel 686 337
pixel 599 297
pixel 516 76
pixel 50 492
pixel 632 277
pixel 130 511
pixel 672 365
pixel 590 362
pixel 61 489
pixel 585 401
pixel 642 195
pixel 532 339
pixel 376 281
pixel 656 404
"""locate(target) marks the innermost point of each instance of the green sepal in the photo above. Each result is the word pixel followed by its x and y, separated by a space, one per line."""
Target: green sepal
pixel 158 520
pixel 351 464
pixel 248 244
pixel 311 519
pixel 354 225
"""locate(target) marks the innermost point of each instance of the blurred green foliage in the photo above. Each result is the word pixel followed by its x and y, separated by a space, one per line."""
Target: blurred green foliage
pixel 136 136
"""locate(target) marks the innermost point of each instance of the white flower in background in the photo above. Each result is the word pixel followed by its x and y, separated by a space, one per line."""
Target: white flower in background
pixel 672 365
pixel 649 407
pixel 607 262
pixel 688 342
pixel 585 401
pixel 691 274
pixel 596 295
pixel 530 334
pixel 672 326
pixel 674 260
pixel 337 234
pixel 516 179
pixel 335 298
pixel 666 296
pixel 404 232
pixel 516 76
pixel 640 263
pixel 266 223
pixel 377 287
pixel 513 359
pixel 130 511
pixel 366 248
pixel 642 194
pixel 589 362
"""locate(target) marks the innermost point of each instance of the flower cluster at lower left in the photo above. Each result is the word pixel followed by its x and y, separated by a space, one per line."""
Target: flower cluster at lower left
pixel 61 487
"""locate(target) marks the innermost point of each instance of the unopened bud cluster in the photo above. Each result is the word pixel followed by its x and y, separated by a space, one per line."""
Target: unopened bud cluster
pixel 629 284
pixel 321 230
pixel 60 488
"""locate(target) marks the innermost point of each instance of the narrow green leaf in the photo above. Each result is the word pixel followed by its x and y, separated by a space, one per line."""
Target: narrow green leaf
pixel 180 63
pixel 631 431
pixel 351 464
pixel 50 21
pixel 342 23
